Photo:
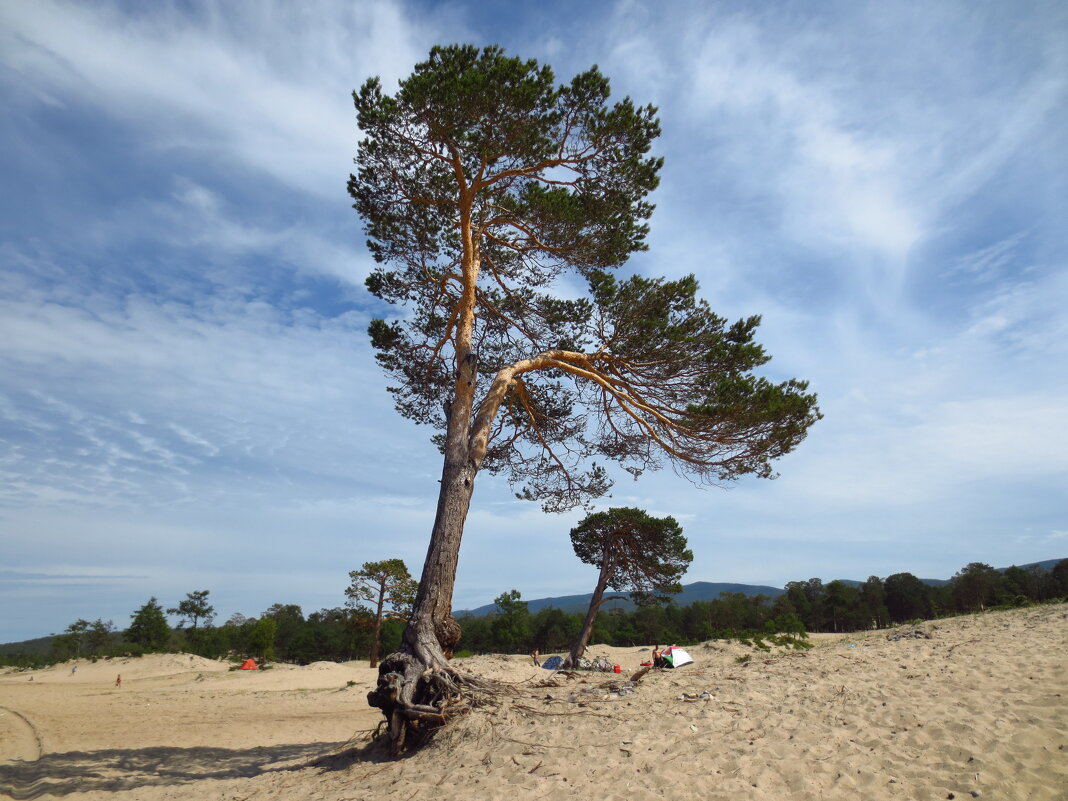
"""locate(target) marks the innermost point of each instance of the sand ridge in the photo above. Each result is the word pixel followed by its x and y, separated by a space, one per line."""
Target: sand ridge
pixel 976 710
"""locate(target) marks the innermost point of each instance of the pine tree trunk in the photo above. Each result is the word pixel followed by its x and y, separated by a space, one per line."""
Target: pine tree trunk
pixel 579 646
pixel 376 640
pixel 414 682
pixel 432 632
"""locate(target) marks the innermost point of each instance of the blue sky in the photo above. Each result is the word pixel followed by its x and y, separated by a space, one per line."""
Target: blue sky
pixel 188 399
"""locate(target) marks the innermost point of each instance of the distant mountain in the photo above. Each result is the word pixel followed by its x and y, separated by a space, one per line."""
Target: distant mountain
pixel 41 646
pixel 1048 564
pixel 698 591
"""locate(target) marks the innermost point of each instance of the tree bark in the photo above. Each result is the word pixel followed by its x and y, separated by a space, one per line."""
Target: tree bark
pixel 579 646
pixel 432 632
pixel 376 639
pixel 413 683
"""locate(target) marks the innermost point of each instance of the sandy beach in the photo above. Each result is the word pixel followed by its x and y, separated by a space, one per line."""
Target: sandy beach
pixel 970 707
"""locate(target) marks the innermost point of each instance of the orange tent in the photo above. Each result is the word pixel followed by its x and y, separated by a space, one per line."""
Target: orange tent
pixel 249 665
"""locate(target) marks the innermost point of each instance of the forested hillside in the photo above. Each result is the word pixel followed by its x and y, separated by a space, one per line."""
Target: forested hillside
pixel 284 633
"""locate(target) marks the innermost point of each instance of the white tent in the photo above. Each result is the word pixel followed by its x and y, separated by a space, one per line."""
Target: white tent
pixel 676 657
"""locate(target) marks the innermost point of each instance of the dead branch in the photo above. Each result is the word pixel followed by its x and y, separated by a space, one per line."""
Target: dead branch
pixel 532 711
pixel 641 673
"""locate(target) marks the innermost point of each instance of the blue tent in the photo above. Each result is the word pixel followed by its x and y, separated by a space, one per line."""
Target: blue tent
pixel 553 663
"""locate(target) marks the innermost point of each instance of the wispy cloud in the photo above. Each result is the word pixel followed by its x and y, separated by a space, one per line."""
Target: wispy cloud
pixel 836 182
pixel 232 82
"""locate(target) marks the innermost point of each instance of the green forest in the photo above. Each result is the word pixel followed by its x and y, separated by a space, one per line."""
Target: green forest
pixel 284 633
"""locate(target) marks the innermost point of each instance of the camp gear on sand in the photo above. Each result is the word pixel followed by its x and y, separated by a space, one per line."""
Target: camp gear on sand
pixel 675 657
pixel 601 664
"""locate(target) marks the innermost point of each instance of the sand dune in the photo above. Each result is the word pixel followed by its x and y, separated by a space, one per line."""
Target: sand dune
pixel 978 709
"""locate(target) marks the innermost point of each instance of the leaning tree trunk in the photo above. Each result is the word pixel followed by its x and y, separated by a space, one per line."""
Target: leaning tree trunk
pixel 416 684
pixel 432 632
pixel 376 640
pixel 579 646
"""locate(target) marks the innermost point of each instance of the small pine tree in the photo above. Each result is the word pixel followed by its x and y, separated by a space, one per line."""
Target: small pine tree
pixel 195 608
pixel 149 627
pixel 511 627
pixel 387 589
pixel 636 553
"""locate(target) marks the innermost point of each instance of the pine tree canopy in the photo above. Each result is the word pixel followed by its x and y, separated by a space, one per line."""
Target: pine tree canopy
pixel 498 205
pixel 635 552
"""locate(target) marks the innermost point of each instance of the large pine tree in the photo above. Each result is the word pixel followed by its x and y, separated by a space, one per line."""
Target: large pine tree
pixel 491 196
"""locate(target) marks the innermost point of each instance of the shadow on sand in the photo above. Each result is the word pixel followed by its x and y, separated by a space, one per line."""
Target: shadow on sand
pixel 113 770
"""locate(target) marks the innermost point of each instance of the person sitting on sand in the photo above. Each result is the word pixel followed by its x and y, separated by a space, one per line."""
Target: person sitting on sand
pixel 535 656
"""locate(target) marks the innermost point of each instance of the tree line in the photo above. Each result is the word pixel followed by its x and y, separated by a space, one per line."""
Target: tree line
pixel 378 602
pixel 284 633
pixel 805 606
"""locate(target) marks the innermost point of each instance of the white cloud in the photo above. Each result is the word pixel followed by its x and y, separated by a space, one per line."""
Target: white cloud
pixel 263 84
pixel 133 398
pixel 999 131
pixel 991 262
pixel 837 181
pixel 197 218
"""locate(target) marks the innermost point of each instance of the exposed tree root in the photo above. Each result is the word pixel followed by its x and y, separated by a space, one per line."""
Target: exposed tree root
pixel 418 700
